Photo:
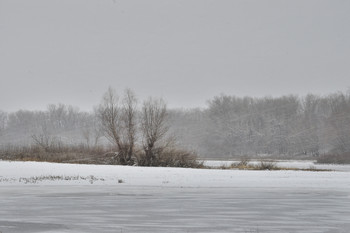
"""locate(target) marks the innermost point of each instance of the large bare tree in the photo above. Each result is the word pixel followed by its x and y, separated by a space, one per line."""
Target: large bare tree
pixel 129 121
pixel 118 121
pixel 154 129
pixel 109 113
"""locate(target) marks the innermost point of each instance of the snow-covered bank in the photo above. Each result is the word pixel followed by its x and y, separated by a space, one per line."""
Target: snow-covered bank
pixel 302 164
pixel 16 173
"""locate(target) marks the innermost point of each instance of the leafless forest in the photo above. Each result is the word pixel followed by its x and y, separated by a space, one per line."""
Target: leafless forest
pixel 230 126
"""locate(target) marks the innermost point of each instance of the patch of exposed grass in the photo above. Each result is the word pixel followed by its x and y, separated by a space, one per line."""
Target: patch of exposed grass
pixel 268 165
pixel 37 179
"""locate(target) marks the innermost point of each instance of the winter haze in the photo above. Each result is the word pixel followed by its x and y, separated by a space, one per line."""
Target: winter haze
pixel 64 51
pixel 247 128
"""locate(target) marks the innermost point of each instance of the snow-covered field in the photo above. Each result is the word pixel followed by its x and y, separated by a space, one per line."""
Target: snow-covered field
pixel 49 197
pixel 19 173
pixel 286 163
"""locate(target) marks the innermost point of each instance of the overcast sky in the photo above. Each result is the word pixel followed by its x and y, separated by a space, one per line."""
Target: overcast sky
pixel 186 51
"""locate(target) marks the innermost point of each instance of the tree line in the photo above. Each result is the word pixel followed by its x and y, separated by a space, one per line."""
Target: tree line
pixel 279 126
pixel 229 126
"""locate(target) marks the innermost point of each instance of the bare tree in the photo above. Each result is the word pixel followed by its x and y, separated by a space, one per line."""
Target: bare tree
pixel 129 121
pixel 45 140
pixel 339 120
pixel 3 120
pixel 118 121
pixel 57 115
pixel 154 129
pixel 91 130
pixel 109 114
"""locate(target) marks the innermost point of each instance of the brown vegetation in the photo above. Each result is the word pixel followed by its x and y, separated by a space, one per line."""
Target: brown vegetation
pixel 60 154
pixel 266 165
pixel 343 158
pixel 82 154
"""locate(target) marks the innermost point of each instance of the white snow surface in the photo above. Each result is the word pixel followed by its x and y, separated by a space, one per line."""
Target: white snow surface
pixel 302 164
pixel 61 198
pixel 42 173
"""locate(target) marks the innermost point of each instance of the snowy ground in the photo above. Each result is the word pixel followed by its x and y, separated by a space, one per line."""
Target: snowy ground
pixel 286 163
pixel 48 197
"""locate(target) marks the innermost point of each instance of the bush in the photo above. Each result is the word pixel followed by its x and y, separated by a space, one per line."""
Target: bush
pixel 245 165
pixel 244 161
pixel 170 157
pixel 343 158
pixel 266 165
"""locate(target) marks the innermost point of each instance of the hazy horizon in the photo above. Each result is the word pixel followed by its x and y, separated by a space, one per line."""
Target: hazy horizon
pixel 87 108
pixel 187 52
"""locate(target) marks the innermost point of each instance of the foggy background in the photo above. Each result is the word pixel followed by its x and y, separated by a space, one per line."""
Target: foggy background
pixel 186 51
pixel 58 57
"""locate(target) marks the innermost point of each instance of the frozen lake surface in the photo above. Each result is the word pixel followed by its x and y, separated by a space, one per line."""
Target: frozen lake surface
pixel 155 209
pixel 169 199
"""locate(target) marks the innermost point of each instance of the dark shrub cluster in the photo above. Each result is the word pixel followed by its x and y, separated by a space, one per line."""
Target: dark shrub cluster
pixel 170 157
pixel 343 158
pixel 83 154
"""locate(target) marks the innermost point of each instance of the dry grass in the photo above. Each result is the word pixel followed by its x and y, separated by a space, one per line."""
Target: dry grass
pixel 105 155
pixel 59 154
pixel 267 165
pixel 82 154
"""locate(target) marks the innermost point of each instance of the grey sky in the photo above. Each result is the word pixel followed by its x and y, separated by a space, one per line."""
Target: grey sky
pixel 186 51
